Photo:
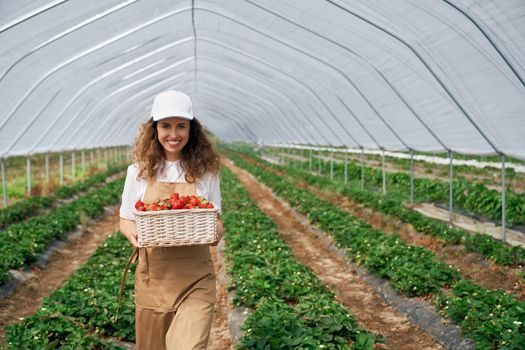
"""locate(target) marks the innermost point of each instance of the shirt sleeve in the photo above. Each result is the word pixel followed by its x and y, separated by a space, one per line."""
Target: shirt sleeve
pixel 130 194
pixel 215 191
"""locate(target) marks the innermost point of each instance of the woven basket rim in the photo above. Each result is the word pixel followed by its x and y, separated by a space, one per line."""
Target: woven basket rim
pixel 162 212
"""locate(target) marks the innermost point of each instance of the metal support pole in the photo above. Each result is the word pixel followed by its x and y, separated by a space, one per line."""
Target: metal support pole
pixel 73 166
pixel 106 156
pixel 83 155
pixel 28 176
pixel 331 165
pixel 4 182
pixel 362 168
pixel 310 162
pixel 411 178
pixel 451 188
pixel 61 169
pixel 320 164
pixel 383 170
pixel 503 200
pixel 98 158
pixel 47 168
pixel 346 167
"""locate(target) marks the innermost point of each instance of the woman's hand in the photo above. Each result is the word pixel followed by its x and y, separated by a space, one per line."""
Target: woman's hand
pixel 129 230
pixel 220 231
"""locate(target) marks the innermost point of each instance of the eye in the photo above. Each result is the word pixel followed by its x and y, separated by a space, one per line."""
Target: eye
pixel 182 126
pixel 165 126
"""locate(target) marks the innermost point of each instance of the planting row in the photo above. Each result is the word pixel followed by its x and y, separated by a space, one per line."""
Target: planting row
pixel 22 243
pixel 29 207
pixel 80 313
pixel 393 204
pixel 475 198
pixel 292 308
pixel 411 270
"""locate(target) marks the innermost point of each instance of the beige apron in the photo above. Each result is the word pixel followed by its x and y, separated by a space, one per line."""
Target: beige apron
pixel 174 289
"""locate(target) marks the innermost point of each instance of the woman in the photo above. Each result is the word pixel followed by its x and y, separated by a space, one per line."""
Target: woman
pixel 174 286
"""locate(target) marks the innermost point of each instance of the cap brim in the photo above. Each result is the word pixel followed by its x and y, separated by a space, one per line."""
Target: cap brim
pixel 174 115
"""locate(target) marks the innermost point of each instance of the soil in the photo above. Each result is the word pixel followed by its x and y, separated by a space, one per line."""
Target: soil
pixel 220 332
pixel 27 298
pixel 471 265
pixel 369 308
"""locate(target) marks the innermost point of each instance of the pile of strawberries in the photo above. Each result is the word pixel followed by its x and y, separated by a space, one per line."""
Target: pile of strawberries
pixel 175 202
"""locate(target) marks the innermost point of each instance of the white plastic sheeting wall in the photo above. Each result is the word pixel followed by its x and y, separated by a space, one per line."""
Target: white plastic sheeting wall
pixel 385 74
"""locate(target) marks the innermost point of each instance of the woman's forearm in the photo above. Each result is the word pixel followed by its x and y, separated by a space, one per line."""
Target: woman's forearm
pixel 129 229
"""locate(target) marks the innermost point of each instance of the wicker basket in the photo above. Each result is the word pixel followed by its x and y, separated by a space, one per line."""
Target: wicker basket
pixel 167 228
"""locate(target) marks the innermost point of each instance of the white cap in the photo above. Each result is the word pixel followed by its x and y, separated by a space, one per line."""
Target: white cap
pixel 171 103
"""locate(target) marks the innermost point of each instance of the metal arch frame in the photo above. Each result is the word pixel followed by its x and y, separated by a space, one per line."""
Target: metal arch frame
pixel 103 76
pixel 366 63
pixel 492 42
pixel 358 121
pixel 85 53
pixel 350 81
pixel 66 32
pixel 93 82
pixel 118 37
pixel 260 81
pixel 185 40
pixel 138 94
pixel 87 117
pixel 16 22
pixel 284 74
pixel 108 119
pixel 431 71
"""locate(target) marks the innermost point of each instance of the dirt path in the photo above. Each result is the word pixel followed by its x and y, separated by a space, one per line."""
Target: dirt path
pixel 27 298
pixel 369 308
pixel 220 332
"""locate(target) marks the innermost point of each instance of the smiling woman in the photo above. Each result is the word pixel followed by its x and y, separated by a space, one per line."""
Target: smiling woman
pixel 174 285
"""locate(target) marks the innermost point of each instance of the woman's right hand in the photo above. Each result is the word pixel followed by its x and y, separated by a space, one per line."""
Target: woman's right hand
pixel 129 230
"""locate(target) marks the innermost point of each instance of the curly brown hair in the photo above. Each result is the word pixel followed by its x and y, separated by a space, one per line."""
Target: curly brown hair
pixel 198 155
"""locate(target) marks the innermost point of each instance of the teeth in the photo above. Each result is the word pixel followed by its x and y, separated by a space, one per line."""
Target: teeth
pixel 173 142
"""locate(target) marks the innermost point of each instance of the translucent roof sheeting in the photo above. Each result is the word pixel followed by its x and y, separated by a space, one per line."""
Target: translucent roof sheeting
pixel 426 75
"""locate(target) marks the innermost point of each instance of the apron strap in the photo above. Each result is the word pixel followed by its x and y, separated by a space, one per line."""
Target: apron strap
pixel 133 258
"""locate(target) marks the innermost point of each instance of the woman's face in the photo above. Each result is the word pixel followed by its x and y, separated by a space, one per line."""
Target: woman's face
pixel 173 134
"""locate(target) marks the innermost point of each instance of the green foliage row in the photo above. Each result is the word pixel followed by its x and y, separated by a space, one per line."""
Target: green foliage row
pixel 475 198
pixel 79 313
pixel 410 269
pixel 393 204
pixel 22 243
pixel 64 192
pixel 293 309
pixel 29 207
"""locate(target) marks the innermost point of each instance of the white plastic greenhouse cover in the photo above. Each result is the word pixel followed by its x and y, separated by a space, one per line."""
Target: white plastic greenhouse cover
pixel 426 75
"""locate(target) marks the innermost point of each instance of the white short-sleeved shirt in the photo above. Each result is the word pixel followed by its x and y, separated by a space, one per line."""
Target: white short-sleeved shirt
pixel 208 187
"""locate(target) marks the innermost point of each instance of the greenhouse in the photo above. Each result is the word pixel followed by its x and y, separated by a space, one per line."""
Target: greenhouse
pixel 250 174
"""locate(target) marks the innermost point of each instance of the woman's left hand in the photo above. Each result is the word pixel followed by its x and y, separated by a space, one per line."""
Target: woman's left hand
pixel 220 232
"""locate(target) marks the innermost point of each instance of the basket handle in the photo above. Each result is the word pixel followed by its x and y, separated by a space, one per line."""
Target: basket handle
pixel 131 260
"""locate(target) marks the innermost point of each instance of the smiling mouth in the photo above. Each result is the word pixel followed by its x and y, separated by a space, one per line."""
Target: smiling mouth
pixel 173 143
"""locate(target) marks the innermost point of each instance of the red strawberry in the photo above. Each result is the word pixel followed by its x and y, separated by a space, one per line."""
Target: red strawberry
pixel 139 204
pixel 178 204
pixel 188 206
pixel 209 205
pixel 174 196
pixel 194 201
